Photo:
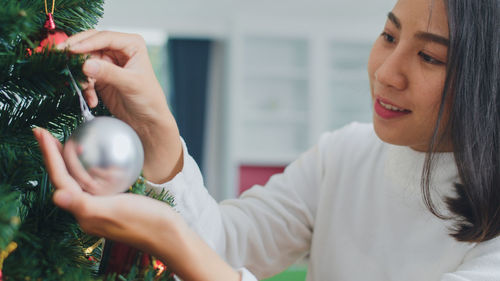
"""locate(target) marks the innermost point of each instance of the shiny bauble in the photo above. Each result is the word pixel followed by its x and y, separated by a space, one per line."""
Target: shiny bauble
pixel 104 155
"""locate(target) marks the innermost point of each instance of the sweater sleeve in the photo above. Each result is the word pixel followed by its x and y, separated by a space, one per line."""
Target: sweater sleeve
pixel 482 263
pixel 265 230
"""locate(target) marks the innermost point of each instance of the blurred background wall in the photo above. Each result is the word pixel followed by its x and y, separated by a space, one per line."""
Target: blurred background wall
pixel 254 83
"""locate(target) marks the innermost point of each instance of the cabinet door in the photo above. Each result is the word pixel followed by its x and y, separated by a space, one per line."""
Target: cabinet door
pixel 274 100
pixel 349 99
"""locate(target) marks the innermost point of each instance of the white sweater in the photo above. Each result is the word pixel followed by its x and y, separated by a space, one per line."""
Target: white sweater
pixel 352 203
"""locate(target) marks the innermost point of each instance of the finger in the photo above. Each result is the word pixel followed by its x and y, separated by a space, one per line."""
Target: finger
pixel 123 42
pixel 78 203
pixel 76 38
pixel 91 97
pixel 37 132
pixel 110 180
pixel 54 163
pixel 84 85
pixel 63 199
pixel 90 93
pixel 106 73
pixel 76 169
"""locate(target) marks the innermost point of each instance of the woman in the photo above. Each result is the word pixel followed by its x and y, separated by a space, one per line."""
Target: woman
pixel 413 197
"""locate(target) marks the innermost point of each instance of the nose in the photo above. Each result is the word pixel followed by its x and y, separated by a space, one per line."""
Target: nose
pixel 393 71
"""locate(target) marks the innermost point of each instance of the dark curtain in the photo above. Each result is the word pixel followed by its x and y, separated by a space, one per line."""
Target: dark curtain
pixel 188 62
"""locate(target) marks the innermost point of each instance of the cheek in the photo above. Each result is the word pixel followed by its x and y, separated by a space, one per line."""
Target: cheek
pixel 429 96
pixel 373 61
pixel 376 59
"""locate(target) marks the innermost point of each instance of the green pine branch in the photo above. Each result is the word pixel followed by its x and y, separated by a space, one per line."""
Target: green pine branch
pixel 35 90
pixel 49 240
pixel 17 22
pixel 9 220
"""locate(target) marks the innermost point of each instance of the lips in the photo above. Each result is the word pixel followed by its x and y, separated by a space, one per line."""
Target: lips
pixel 387 110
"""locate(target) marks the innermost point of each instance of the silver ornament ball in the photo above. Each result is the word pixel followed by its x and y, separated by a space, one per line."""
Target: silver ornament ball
pixel 109 151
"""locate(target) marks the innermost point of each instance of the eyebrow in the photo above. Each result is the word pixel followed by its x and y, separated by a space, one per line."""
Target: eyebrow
pixel 392 17
pixel 433 38
pixel 426 36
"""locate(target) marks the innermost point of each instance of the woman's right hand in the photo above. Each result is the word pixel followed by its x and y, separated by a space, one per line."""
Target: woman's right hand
pixel 122 76
pixel 142 222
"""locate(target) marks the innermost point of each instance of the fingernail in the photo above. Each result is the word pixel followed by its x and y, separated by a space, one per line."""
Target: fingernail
pixel 75 47
pixel 37 132
pixel 91 68
pixel 61 46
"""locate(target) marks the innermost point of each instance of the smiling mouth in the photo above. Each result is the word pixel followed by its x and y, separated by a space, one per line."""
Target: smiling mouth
pixel 388 111
pixel 392 107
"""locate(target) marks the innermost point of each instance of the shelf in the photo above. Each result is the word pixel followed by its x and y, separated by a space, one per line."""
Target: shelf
pixel 262 51
pixel 261 117
pixel 276 73
pixel 267 158
pixel 274 95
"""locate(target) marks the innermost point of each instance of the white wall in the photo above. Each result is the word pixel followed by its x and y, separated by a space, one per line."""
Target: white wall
pixel 215 17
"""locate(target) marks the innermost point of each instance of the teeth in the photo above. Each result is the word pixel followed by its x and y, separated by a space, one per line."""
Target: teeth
pixel 390 107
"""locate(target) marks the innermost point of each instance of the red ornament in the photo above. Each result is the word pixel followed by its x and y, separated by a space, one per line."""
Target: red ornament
pixel 160 267
pixel 50 24
pixel 54 36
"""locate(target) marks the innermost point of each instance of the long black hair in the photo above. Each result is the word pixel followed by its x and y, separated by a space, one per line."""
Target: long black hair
pixel 473 85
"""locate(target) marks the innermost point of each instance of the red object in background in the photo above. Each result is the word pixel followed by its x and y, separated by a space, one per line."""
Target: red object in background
pixel 53 38
pixel 159 266
pixel 119 257
pixel 252 175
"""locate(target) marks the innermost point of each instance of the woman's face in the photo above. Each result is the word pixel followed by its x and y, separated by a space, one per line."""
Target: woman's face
pixel 407 69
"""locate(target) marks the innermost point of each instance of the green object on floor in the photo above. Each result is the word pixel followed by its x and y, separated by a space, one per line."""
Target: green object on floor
pixel 291 274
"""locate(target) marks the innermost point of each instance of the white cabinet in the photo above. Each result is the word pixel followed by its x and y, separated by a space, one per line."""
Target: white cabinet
pixel 349 91
pixel 273 102
pixel 287 85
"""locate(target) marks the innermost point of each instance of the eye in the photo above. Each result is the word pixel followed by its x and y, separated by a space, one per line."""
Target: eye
pixel 388 38
pixel 429 59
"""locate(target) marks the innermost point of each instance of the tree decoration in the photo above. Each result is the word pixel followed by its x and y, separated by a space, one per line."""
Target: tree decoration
pixel 35 92
pixel 104 148
pixel 53 36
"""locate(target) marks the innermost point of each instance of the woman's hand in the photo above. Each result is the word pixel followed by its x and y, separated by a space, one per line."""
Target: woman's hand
pixel 150 225
pixel 122 75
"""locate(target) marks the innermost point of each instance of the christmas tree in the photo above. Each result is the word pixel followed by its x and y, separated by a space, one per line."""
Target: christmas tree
pixel 39 241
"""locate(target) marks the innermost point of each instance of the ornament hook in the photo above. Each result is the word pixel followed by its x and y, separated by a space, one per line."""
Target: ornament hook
pixel 53 5
pixel 87 116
